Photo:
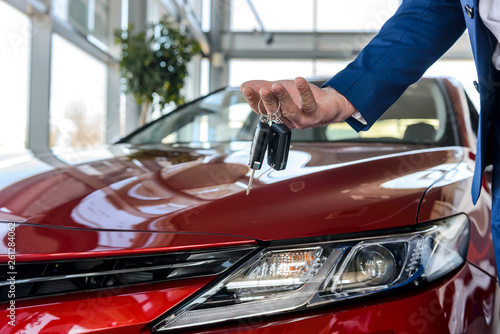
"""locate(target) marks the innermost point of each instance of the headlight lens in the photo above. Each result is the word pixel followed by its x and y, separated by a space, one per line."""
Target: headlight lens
pixel 296 277
pixel 373 265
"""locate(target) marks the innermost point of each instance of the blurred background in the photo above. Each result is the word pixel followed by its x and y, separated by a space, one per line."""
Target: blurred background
pixel 60 81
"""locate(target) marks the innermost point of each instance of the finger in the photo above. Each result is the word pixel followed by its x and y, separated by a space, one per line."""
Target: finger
pixel 307 100
pixel 256 85
pixel 252 98
pixel 289 110
pixel 250 91
pixel 269 101
pixel 286 121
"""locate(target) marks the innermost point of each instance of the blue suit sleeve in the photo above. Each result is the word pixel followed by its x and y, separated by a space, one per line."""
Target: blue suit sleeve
pixel 410 42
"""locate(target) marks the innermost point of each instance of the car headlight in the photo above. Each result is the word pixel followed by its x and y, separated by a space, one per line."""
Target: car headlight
pixel 285 278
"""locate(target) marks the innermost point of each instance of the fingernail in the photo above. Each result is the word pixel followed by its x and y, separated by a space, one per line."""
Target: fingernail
pixel 267 97
pixel 299 83
pixel 247 92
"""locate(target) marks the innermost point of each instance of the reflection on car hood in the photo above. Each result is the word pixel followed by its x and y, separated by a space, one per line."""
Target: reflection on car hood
pixel 327 188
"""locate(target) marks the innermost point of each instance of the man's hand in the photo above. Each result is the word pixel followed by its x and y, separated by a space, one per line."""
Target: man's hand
pixel 303 105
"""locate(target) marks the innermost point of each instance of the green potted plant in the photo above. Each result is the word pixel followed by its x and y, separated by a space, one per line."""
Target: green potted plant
pixel 154 63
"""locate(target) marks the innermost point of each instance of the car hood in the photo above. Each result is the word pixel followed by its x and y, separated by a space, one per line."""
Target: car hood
pixel 328 188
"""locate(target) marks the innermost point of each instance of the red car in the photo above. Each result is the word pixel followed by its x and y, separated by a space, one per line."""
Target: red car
pixel 370 232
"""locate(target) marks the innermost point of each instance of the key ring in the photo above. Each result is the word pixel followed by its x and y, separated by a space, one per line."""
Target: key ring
pixel 273 116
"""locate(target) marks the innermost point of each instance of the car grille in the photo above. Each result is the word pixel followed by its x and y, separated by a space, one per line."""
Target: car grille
pixel 36 279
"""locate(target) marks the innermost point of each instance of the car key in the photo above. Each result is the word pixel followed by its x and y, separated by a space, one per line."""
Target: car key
pixel 279 146
pixel 260 142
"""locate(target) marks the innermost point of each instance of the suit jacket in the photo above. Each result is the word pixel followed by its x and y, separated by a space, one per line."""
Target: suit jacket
pixel 408 43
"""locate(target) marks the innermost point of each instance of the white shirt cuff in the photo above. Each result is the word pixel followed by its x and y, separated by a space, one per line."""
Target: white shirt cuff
pixel 358 117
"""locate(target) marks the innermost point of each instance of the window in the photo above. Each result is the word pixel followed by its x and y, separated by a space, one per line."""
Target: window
pixel 156 11
pixel 246 69
pixel 463 70
pixel 354 15
pixel 205 15
pixel 276 15
pixel 95 19
pixel 14 60
pixel 197 9
pixel 218 118
pixel 241 70
pixel 418 116
pixel 78 97
pixel 298 15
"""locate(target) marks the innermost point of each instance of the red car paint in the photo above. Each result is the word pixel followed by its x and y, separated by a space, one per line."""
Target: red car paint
pixel 123 200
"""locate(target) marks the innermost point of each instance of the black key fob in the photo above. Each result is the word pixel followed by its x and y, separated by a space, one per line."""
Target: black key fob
pixel 279 146
pixel 260 141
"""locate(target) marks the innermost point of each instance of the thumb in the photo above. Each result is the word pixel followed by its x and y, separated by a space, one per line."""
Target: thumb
pixel 307 100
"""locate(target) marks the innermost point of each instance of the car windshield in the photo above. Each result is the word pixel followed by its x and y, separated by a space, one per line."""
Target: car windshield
pixel 418 117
